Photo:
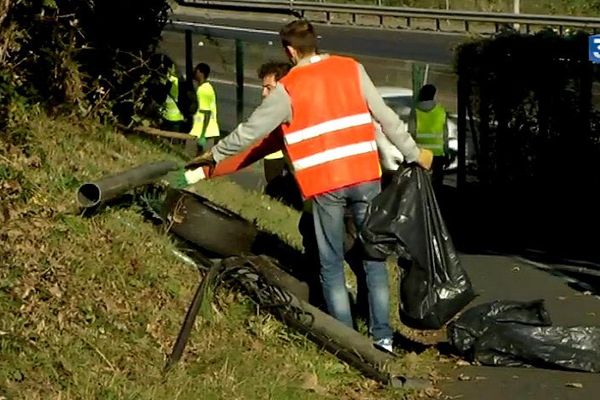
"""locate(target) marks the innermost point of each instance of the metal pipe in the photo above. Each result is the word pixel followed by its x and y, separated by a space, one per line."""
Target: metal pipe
pixel 91 194
pixel 190 316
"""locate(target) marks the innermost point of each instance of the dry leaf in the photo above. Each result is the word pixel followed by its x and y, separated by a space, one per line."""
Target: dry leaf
pixel 575 385
pixel 433 393
pixel 55 291
pixel 310 382
pixel 462 377
pixel 463 363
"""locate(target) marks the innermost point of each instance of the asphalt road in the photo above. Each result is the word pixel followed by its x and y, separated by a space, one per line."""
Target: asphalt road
pixel 507 278
pixel 387 55
pixel 429 47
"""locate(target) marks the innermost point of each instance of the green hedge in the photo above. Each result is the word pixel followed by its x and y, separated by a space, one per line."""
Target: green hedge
pixel 534 102
pixel 88 57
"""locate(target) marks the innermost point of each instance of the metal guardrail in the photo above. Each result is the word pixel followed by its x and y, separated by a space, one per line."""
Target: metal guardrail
pixel 300 8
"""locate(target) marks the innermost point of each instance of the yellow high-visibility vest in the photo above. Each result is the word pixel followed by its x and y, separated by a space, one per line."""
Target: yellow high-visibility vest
pixel 207 101
pixel 274 156
pixel 430 129
pixel 170 110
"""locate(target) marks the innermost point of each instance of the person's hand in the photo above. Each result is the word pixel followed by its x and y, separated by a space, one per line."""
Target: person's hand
pixel 205 159
pixel 425 159
pixel 391 159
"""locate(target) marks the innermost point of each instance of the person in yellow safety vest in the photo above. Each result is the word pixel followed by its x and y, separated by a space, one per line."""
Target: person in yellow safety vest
pixel 205 126
pixel 172 117
pixel 431 131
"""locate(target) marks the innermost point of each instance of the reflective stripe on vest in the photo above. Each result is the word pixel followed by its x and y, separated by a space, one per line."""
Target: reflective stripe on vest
pixel 207 101
pixel 326 127
pixel 430 129
pixel 334 154
pixel 330 140
pixel 170 110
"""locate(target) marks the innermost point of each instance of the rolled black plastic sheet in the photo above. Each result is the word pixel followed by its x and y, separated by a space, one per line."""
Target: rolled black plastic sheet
pixel 513 334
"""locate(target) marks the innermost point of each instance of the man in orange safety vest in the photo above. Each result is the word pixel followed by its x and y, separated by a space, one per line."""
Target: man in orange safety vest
pixel 326 106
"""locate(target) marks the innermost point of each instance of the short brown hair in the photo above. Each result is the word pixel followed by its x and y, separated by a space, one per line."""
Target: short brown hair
pixel 279 69
pixel 300 35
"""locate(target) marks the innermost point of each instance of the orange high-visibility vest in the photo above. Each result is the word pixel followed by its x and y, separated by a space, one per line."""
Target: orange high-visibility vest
pixel 331 138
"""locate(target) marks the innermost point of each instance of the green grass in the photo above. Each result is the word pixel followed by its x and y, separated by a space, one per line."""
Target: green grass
pixel 91 305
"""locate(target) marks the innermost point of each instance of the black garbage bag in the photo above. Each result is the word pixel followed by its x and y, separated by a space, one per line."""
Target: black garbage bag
pixel 514 345
pixel 405 220
pixel 508 333
pixel 474 322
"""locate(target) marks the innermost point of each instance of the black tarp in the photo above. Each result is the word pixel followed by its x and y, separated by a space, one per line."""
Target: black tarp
pixel 511 333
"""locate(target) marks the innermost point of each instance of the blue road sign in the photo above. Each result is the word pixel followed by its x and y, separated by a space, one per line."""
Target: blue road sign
pixel 595 48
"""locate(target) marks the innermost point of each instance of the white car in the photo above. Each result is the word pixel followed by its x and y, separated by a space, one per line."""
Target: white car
pixel 400 100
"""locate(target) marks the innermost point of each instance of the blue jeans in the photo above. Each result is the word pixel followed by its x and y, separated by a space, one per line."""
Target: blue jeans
pixel 328 213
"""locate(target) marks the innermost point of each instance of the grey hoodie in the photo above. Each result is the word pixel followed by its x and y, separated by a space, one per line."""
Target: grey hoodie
pixel 276 109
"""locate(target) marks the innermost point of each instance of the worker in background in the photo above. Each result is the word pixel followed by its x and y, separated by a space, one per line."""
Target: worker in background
pixel 172 117
pixel 431 132
pixel 280 182
pixel 205 126
pixel 325 107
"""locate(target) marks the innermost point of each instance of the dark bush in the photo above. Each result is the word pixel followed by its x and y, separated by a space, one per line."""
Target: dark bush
pixel 534 101
pixel 90 57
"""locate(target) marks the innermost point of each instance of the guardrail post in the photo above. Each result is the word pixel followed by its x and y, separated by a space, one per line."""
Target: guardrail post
pixel 408 22
pixel 239 79
pixel 189 57
pixel 461 173
pixel 437 24
pixel 466 26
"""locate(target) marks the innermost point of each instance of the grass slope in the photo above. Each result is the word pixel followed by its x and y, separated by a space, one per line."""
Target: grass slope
pixel 90 306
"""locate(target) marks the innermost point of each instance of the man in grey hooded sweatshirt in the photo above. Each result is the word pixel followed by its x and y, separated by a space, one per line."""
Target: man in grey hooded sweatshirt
pixel 431 131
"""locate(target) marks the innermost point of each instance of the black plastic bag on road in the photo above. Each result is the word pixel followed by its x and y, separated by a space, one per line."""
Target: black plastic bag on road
pixel 405 220
pixel 473 323
pixel 512 334
pixel 513 345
